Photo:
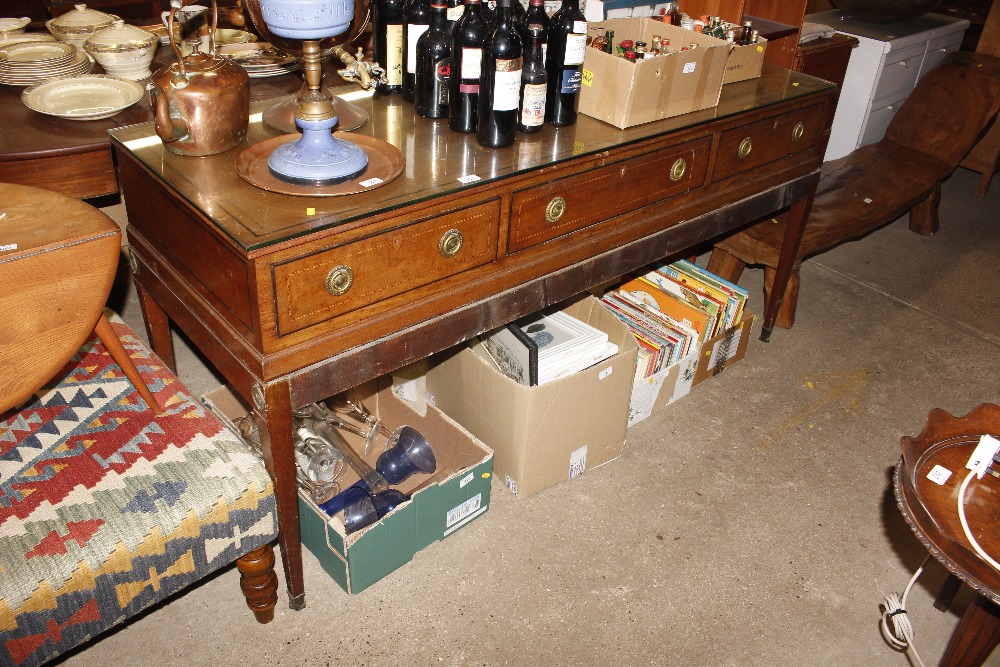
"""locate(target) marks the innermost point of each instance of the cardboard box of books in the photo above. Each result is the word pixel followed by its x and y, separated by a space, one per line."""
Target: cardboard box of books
pixel 544 434
pixel 440 503
pixel 724 350
pixel 625 93
pixel 675 311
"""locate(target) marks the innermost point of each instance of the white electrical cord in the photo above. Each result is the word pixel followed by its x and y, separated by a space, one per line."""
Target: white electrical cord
pixel 965 524
pixel 901 634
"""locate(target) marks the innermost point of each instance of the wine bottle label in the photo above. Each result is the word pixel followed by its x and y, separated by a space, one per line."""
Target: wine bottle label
pixel 455 13
pixel 533 105
pixel 580 27
pixel 413 33
pixel 507 84
pixel 571 79
pixel 472 63
pixel 394 54
pixel 442 72
pixel 576 47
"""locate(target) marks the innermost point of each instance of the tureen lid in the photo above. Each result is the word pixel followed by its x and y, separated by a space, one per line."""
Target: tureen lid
pixel 82 18
pixel 120 35
pixel 13 24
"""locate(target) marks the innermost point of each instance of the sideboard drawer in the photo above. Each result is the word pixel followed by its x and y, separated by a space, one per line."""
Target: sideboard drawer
pixel 899 73
pixel 333 281
pixel 574 202
pixel 757 144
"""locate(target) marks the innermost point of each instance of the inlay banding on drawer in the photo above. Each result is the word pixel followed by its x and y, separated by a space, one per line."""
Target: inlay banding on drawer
pixel 332 281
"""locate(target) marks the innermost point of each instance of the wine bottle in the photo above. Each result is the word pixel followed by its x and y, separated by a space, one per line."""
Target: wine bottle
pixel 388 33
pixel 434 64
pixel 531 113
pixel 455 10
pixel 417 15
pixel 563 63
pixel 489 12
pixel 535 14
pixel 466 64
pixel 499 92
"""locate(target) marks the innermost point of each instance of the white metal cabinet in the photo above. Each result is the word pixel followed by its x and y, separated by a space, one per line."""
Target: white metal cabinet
pixel 883 70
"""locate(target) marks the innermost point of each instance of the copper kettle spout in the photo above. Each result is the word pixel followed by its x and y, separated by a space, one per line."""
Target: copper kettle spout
pixel 167 129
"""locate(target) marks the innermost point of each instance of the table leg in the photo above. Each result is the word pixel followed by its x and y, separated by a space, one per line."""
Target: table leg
pixel 273 411
pixel 795 225
pixel 976 635
pixel 157 328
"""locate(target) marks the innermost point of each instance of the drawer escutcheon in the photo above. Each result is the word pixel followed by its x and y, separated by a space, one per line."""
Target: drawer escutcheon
pixel 798 131
pixel 339 280
pixel 555 210
pixel 745 147
pixel 679 169
pixel 450 243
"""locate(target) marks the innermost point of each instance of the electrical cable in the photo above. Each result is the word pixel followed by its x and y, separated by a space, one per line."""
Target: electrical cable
pixel 901 634
pixel 965 524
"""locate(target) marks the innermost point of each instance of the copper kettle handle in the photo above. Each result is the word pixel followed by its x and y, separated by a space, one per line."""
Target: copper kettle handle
pixel 174 6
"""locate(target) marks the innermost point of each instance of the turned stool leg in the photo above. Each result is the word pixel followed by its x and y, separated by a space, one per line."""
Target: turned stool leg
pixel 726 265
pixel 786 313
pixel 259 582
pixel 924 216
pixel 975 637
pixel 114 346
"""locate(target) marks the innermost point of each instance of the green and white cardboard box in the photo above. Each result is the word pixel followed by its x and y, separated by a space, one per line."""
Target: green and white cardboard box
pixel 448 499
pixel 458 493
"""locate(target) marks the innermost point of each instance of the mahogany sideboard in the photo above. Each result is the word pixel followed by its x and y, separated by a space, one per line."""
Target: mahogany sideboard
pixel 466 239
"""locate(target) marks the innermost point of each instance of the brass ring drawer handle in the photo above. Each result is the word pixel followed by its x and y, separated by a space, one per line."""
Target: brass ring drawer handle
pixel 339 280
pixel 555 210
pixel 678 170
pixel 798 131
pixel 745 147
pixel 451 242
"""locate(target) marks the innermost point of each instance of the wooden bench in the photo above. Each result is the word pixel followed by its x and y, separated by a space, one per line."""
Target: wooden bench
pixel 950 109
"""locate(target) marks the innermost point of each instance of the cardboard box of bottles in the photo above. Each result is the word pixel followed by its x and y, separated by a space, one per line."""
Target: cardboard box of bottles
pixel 546 434
pixel 745 62
pixel 624 93
pixel 446 500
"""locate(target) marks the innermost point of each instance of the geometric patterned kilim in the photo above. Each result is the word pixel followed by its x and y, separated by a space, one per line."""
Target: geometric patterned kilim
pixel 107 508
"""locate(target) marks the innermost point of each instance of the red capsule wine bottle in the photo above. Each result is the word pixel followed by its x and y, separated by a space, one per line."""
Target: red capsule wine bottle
pixel 499 92
pixel 531 112
pixel 434 65
pixel 467 38
pixel 564 63
pixel 417 16
pixel 388 34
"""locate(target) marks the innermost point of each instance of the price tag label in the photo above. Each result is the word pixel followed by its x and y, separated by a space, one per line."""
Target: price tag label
pixel 471 178
pixel 370 182
pixel 588 78
pixel 939 475
pixel 690 67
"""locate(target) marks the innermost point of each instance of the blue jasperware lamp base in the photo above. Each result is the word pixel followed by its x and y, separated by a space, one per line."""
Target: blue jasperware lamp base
pixel 318 158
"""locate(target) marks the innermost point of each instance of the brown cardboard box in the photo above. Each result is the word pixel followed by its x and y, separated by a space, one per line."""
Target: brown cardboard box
pixel 652 394
pixel 745 62
pixel 724 350
pixel 545 434
pixel 624 94
pixel 456 494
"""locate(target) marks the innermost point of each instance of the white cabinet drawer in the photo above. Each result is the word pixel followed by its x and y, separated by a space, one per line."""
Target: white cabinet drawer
pixel 899 73
pixel 878 121
pixel 938 48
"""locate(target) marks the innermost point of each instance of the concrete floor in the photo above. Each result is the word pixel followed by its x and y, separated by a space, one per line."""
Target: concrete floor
pixel 752 523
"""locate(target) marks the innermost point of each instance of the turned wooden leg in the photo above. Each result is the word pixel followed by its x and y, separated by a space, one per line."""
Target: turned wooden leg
pixel 975 637
pixel 984 182
pixel 924 216
pixel 726 265
pixel 786 311
pixel 157 328
pixel 114 346
pixel 259 582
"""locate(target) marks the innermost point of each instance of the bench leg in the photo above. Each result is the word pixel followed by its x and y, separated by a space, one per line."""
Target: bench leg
pixel 726 265
pixel 259 582
pixel 786 311
pixel 924 216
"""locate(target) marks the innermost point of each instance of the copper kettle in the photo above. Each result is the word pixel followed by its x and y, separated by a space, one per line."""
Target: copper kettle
pixel 201 103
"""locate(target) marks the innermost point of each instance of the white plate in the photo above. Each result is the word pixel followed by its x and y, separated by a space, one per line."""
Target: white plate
pixel 26 37
pixel 88 97
pixel 37 52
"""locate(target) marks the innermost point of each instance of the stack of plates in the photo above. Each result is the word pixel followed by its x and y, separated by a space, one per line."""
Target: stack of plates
pixel 28 63
pixel 260 59
pixel 88 97
pixel 26 37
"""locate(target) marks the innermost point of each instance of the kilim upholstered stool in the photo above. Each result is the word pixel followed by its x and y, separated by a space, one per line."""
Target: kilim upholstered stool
pixel 107 508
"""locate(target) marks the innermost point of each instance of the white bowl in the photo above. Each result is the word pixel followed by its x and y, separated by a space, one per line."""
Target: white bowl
pixel 13 26
pixel 123 50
